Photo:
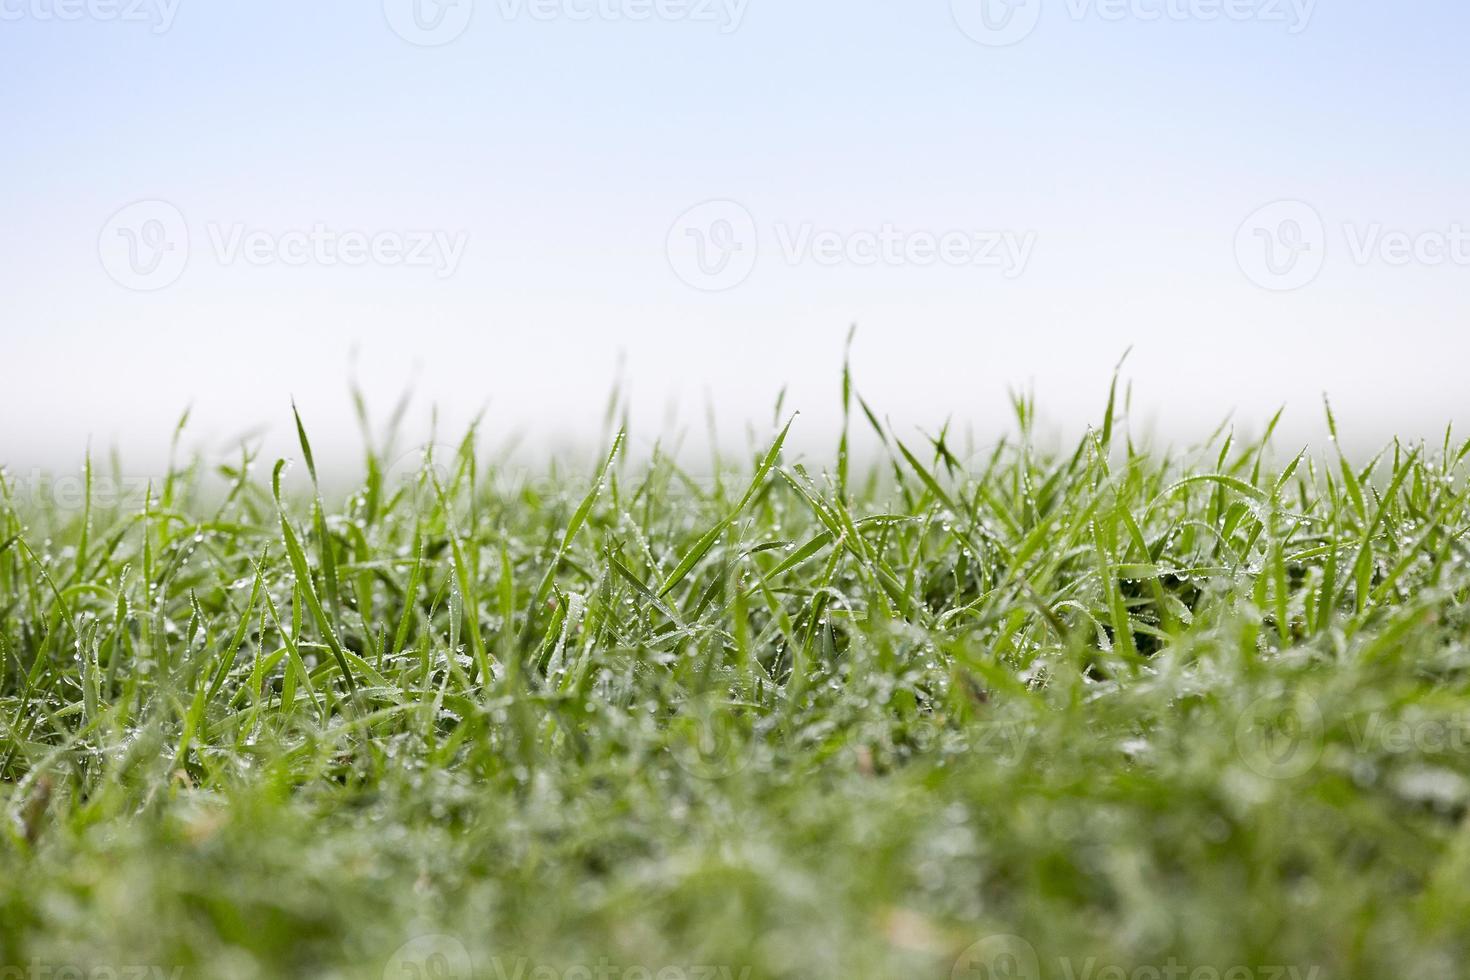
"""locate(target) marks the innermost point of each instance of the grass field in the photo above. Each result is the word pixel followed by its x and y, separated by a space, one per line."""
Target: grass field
pixel 1112 712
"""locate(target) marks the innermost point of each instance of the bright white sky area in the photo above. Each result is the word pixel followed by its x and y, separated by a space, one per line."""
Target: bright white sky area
pixel 215 204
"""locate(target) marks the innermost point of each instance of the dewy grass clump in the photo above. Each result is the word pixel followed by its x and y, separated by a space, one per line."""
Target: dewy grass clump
pixel 1108 713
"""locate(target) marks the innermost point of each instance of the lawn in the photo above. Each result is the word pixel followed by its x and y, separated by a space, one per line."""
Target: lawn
pixel 1002 712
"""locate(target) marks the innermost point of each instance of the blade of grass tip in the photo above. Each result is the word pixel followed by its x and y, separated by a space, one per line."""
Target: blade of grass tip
pixel 51 584
pixel 1128 414
pixel 1354 489
pixel 801 656
pixel 373 465
pixel 81 561
pixel 806 551
pixel 305 443
pixel 878 427
pixel 145 620
pixel 465 586
pixel 1117 609
pixel 942 452
pixel 299 673
pixel 1363 565
pixel 764 469
pixel 615 395
pixel 1327 592
pixel 319 523
pixel 927 478
pixel 360 412
pixel 643 591
pixel 467 470
pixel 1286 474
pixel 740 613
pixel 1168 622
pixel 1350 479
pixel 842 445
pixel 579 517
pixel 1020 409
pixel 1331 419
pixel 410 594
pixel 840 525
pixel 703 545
pixel 1217 495
pixel 227 660
pixel 1107 431
pixel 872 418
pixel 302 572
pixel 1265 444
pixel 1220 480
pixel 506 592
pixel 167 500
pixel 693 555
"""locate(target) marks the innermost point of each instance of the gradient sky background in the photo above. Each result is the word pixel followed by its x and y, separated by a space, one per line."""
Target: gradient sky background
pixel 566 149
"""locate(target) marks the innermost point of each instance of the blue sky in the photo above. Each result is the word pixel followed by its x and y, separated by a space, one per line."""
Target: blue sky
pixel 1134 144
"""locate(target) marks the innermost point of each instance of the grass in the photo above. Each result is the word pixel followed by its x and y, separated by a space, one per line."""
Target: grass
pixel 1108 712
